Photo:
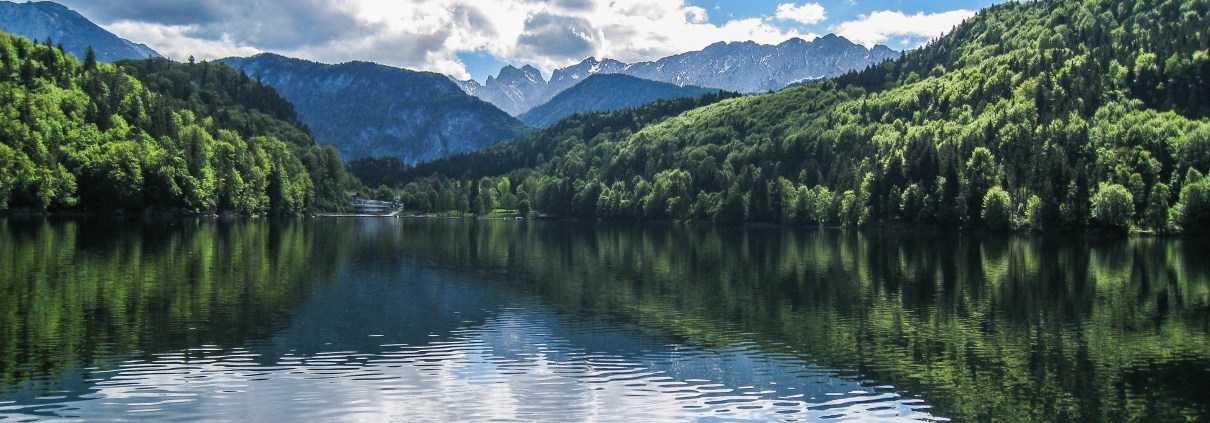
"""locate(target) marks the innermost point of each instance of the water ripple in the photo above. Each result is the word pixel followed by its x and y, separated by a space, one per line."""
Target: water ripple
pixel 523 364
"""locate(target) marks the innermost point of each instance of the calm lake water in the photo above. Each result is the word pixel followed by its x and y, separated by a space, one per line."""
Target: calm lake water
pixel 423 320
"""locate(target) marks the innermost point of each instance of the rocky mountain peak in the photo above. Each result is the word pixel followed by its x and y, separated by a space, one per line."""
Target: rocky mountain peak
pixel 565 78
pixel 527 75
pixel 743 66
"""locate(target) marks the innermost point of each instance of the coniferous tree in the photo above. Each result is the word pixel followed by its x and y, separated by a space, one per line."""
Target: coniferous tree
pixel 90 59
pixel 1048 101
pixel 134 136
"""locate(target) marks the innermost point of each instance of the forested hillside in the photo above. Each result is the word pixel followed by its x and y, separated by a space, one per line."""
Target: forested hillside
pixel 605 93
pixel 447 184
pixel 1056 115
pixel 91 136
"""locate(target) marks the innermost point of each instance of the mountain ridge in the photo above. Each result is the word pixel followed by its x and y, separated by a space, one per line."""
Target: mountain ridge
pixel 1040 115
pixel 606 93
pixel 41 20
pixel 746 67
pixel 412 115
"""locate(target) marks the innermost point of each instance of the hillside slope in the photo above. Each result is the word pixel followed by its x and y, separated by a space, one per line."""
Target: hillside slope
pixel 89 136
pixel 576 132
pixel 605 93
pixel 41 20
pixel 370 110
pixel 1057 115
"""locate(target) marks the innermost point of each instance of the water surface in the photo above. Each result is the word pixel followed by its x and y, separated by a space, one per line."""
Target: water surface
pixel 437 320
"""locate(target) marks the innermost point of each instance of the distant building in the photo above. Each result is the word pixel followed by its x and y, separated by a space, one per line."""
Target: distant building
pixel 371 206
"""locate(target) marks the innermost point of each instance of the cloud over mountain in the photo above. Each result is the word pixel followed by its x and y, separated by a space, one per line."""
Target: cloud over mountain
pixel 878 27
pixel 425 34
pixel 432 34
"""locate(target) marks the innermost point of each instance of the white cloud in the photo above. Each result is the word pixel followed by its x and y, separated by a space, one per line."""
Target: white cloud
pixel 809 13
pixel 429 35
pixel 173 41
pixel 878 27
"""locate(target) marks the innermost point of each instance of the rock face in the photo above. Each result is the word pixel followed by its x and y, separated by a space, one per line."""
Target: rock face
pixel 513 91
pixel 370 110
pixel 749 67
pixel 40 20
pixel 745 67
pixel 605 93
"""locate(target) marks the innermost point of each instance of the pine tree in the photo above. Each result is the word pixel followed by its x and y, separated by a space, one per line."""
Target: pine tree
pixel 90 59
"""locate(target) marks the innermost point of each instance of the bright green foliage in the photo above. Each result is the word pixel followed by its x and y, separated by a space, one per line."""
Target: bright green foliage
pixel 440 195
pixel 981 176
pixel 384 193
pixel 850 213
pixel 997 209
pixel 669 196
pixel 911 204
pixel 1156 214
pixel 814 206
pixel 1033 212
pixel 1193 212
pixel 1113 206
pixel 153 134
pixel 1043 99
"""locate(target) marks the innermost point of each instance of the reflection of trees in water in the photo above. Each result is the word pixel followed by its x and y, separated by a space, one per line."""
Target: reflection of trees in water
pixel 986 328
pixel 77 290
pixel 996 328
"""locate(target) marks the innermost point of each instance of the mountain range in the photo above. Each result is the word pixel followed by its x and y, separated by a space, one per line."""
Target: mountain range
pixel 370 110
pixel 745 67
pixel 41 20
pixel 605 93
pixel 367 110
pixel 1040 115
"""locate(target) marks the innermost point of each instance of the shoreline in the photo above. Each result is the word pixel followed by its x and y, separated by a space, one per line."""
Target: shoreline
pixel 881 228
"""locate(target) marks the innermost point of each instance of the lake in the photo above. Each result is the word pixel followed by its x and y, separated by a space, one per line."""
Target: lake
pixel 346 319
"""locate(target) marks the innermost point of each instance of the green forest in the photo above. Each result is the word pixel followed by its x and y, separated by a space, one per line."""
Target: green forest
pixel 1052 115
pixel 153 135
pixel 481 181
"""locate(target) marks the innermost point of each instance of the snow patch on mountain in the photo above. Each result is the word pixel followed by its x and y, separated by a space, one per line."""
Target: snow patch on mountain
pixel 745 67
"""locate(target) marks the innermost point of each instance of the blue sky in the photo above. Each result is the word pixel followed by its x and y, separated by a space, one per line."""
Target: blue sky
pixel 480 64
pixel 475 38
pixel 843 10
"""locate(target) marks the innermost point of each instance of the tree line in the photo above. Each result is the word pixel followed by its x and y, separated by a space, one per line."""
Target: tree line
pixel 83 135
pixel 1055 115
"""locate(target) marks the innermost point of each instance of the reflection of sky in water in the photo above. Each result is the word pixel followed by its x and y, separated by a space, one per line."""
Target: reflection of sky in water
pixel 427 345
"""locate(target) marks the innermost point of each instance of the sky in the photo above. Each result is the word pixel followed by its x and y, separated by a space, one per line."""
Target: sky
pixel 475 38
